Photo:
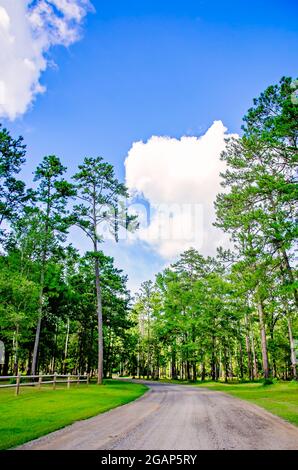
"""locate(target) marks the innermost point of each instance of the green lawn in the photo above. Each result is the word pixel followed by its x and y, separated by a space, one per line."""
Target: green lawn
pixel 280 398
pixel 37 412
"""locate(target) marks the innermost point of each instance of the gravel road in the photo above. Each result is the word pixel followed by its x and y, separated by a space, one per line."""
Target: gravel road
pixel 176 417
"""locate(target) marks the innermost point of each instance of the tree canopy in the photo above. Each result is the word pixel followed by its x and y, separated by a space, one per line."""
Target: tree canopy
pixel 228 316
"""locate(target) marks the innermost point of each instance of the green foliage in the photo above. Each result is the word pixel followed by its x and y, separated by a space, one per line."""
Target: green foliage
pixel 230 317
pixel 236 315
pixel 48 296
pixel 13 195
pixel 274 116
pixel 268 382
pixel 101 198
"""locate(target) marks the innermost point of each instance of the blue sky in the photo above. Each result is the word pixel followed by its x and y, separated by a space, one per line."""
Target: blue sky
pixel 145 68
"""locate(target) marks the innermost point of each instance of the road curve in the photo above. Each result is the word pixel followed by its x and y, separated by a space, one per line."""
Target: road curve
pixel 175 417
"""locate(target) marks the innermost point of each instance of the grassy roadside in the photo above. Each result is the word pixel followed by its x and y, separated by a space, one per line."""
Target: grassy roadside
pixel 35 413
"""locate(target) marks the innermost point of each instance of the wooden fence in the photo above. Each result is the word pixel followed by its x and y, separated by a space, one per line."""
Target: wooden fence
pixel 54 379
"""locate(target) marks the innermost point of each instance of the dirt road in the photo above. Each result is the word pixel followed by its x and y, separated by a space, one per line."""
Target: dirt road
pixel 176 417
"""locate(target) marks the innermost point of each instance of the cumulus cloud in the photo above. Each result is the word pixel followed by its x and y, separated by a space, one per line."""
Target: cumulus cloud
pixel 27 31
pixel 180 178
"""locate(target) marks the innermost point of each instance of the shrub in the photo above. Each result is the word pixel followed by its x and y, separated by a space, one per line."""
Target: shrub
pixel 268 382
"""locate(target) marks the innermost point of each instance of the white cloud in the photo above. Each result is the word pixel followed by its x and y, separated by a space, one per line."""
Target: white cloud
pixel 180 178
pixel 27 31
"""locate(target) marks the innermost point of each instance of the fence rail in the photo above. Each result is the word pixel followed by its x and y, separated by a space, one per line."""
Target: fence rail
pixel 56 379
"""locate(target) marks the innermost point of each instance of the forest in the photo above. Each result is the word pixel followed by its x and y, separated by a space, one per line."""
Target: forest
pixel 231 316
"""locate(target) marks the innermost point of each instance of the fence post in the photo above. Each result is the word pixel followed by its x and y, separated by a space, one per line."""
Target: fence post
pixel 88 379
pixel 18 384
pixel 39 381
pixel 68 380
pixel 78 380
pixel 54 381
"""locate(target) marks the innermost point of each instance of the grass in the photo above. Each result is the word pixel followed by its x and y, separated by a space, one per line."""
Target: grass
pixel 280 398
pixel 35 413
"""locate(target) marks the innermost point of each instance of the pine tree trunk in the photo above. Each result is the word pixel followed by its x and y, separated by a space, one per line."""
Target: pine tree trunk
pixel 148 350
pixel 108 360
pixel 203 372
pixel 273 358
pixel 173 364
pixel 66 346
pixel 138 362
pixel 188 370
pixel 99 317
pixel 225 363
pixel 213 365
pixel 194 372
pixel 254 356
pixel 241 368
pixel 16 351
pixel 293 350
pixel 263 340
pixel 230 364
pixel 248 350
pixel 40 309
